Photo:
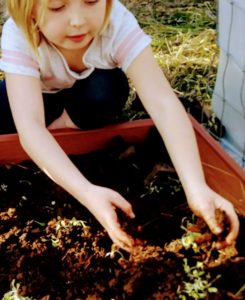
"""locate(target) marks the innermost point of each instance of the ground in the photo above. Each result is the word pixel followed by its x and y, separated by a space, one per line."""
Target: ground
pixel 51 247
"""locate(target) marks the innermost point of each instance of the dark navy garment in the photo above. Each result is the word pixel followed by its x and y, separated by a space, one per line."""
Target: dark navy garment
pixel 92 102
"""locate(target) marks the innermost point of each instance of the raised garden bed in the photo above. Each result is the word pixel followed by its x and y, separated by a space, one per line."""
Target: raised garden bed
pixel 52 248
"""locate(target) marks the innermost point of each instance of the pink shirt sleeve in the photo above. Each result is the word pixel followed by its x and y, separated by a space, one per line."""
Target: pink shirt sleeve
pixel 128 38
pixel 17 56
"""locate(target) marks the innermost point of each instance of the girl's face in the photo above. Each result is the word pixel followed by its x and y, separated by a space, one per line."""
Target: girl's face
pixel 72 24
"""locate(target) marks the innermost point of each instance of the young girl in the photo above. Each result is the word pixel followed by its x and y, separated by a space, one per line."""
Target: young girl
pixel 65 63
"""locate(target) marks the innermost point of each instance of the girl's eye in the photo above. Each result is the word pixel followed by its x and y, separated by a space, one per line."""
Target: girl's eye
pixel 91 1
pixel 56 9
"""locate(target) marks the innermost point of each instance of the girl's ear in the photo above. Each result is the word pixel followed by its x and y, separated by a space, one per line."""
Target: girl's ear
pixel 36 10
pixel 34 13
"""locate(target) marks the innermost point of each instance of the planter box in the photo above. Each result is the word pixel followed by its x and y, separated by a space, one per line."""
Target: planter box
pixel 222 173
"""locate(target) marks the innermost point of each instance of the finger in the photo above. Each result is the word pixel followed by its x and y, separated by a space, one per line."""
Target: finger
pixel 123 204
pixel 212 223
pixel 118 236
pixel 124 243
pixel 121 238
pixel 125 247
pixel 234 223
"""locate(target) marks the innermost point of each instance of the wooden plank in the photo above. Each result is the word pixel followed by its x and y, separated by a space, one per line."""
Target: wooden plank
pixel 77 141
pixel 222 173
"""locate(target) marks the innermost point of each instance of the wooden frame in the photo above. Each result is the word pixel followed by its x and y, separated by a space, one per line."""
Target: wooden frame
pixel 222 173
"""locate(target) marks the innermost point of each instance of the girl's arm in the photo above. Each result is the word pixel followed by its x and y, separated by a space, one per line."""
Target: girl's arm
pixel 176 130
pixel 27 108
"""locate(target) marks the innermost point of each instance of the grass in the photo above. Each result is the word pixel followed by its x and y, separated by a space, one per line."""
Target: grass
pixel 184 42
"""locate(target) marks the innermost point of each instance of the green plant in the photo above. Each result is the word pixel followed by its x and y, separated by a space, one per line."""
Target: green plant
pixel 63 226
pixel 152 188
pixel 200 283
pixel 240 291
pixel 3 187
pixel 188 238
pixel 13 294
pixel 114 250
pixel 176 185
pixel 66 225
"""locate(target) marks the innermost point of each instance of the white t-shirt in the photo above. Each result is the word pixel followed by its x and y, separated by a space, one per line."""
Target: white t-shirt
pixel 117 46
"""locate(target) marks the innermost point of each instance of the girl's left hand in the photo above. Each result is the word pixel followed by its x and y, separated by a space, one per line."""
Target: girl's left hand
pixel 205 202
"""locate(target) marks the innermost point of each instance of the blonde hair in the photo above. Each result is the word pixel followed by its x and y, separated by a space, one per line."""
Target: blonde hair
pixel 22 13
pixel 107 14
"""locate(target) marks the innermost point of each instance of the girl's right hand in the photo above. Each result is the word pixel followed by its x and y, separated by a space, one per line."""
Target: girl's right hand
pixel 102 203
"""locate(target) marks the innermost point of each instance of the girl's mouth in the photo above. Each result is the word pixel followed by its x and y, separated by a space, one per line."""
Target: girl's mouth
pixel 76 38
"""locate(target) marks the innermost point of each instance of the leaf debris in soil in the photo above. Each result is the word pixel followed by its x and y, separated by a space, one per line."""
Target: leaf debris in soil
pixel 53 248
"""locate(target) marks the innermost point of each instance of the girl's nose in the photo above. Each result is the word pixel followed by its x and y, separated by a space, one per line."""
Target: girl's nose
pixel 77 18
pixel 76 22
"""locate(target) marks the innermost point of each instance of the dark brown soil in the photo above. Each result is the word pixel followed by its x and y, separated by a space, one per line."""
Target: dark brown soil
pixel 55 249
